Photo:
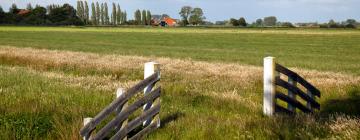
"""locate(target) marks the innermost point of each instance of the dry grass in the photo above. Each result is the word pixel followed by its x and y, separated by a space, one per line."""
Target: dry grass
pixel 243 75
pixel 104 82
pixel 344 127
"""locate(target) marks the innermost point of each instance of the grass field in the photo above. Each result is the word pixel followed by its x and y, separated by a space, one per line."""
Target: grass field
pixel 211 78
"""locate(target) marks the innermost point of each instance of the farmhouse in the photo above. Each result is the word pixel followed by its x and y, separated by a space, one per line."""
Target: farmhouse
pixel 163 21
pixel 23 12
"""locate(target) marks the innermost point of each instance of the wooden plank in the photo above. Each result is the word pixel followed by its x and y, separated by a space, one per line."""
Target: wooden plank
pixel 279 108
pixel 293 102
pixel 126 113
pixel 297 91
pixel 298 79
pixel 145 131
pixel 308 103
pixel 156 118
pixel 136 122
pixel 118 102
pixel 291 94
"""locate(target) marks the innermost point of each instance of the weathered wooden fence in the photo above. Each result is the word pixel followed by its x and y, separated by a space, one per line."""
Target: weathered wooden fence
pixel 120 124
pixel 272 80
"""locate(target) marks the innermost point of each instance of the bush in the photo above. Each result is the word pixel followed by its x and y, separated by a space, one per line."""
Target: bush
pixel 288 25
pixel 350 26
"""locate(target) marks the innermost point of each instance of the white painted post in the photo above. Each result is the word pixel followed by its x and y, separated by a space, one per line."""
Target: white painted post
pixel 291 95
pixel 119 92
pixel 269 86
pixel 86 121
pixel 149 69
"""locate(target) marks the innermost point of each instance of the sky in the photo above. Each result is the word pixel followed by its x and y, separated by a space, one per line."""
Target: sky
pixel 215 10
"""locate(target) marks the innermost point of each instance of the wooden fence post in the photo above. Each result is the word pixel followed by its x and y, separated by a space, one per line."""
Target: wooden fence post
pixel 269 86
pixel 291 95
pixel 149 69
pixel 308 104
pixel 119 92
pixel 86 121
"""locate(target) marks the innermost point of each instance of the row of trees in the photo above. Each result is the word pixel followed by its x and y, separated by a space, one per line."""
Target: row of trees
pixel 189 15
pixel 350 23
pixel 267 21
pixel 142 18
pixel 100 14
pixel 241 22
pixel 52 15
pixel 272 21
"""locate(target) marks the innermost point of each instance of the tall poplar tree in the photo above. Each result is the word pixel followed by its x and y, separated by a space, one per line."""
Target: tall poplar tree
pixel 102 15
pixel 93 14
pixel 97 13
pixel 78 11
pixel 143 17
pixel 118 15
pixel 125 17
pixel 137 17
pixel 29 7
pixel 113 14
pixel 107 22
pixel 148 17
pixel 86 13
pixel 82 11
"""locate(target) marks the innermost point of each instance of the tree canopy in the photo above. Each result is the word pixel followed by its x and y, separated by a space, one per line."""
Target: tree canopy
pixel 197 16
pixel 270 21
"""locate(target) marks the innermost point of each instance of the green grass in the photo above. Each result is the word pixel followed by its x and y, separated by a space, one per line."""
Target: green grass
pixel 330 50
pixel 37 106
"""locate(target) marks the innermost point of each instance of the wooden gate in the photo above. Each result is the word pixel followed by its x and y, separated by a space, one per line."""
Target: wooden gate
pixel 120 125
pixel 272 81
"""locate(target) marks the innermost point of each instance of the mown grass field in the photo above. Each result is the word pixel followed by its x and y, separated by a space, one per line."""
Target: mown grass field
pixel 52 77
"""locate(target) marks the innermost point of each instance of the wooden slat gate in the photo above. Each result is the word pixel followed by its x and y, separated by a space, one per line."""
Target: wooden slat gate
pixel 120 124
pixel 272 80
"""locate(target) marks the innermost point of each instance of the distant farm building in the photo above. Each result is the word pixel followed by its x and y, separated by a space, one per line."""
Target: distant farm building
pixel 23 12
pixel 163 21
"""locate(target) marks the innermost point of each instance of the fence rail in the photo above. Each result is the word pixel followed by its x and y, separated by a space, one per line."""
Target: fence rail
pixel 119 123
pixel 272 80
pixel 297 78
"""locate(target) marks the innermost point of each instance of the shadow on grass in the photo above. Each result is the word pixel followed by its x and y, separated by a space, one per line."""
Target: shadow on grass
pixel 171 117
pixel 348 105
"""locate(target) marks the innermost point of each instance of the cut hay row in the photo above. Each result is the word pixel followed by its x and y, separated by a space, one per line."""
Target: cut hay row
pixel 240 74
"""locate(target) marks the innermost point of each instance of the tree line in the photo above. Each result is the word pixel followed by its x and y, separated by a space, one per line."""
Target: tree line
pixel 85 14
pixel 141 17
pixel 190 15
pixel 100 14
pixel 52 15
pixel 97 14
pixel 272 21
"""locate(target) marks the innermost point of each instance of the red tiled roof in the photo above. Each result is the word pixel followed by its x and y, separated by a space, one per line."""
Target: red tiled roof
pixel 170 21
pixel 23 12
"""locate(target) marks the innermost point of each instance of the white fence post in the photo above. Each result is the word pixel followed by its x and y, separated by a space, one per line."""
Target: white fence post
pixel 149 69
pixel 269 86
pixel 86 121
pixel 119 92
pixel 291 95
